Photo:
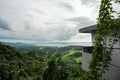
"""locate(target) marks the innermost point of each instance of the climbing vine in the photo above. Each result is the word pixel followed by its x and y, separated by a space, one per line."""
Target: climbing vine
pixel 107 25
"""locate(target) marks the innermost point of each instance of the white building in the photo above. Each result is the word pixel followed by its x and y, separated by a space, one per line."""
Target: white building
pixel 114 70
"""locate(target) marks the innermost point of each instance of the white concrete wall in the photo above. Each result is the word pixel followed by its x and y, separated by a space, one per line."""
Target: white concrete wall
pixel 106 39
pixel 86 59
pixel 117 45
pixel 113 73
pixel 114 70
pixel 116 57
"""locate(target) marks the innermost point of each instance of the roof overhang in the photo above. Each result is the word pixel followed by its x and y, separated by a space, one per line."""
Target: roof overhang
pixel 87 29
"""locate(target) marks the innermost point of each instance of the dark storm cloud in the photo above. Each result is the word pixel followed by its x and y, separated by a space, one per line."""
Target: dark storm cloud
pixel 4 25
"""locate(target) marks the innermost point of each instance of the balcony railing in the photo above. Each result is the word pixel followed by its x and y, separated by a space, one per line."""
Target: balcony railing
pixel 88 49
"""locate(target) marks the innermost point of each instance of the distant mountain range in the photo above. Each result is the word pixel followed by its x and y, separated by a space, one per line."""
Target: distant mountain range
pixel 65 44
pixel 17 44
pixel 61 44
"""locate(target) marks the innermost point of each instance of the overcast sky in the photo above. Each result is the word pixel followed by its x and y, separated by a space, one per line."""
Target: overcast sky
pixel 37 21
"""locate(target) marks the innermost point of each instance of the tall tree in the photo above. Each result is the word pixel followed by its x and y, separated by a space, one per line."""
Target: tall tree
pixel 106 25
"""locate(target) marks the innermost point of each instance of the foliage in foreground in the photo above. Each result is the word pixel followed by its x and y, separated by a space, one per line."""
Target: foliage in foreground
pixel 36 65
pixel 107 25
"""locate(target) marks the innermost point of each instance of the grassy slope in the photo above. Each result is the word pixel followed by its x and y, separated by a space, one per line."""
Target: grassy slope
pixel 69 54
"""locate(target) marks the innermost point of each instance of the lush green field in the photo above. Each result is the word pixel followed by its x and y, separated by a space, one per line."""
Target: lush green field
pixel 73 54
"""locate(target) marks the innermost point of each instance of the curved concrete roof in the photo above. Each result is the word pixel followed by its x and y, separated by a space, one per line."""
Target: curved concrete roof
pixel 87 29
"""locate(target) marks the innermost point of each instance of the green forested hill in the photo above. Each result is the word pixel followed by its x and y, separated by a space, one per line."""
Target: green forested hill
pixel 67 52
pixel 20 66
pixel 41 63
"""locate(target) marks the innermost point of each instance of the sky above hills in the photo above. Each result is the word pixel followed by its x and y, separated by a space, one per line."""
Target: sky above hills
pixel 37 21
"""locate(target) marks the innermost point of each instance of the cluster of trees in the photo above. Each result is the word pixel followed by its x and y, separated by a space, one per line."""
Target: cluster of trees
pixel 36 65
pixel 19 66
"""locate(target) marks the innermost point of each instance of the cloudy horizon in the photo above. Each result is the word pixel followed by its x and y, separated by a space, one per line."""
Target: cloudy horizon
pixel 37 21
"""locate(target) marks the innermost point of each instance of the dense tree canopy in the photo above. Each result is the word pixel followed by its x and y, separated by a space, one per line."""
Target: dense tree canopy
pixel 36 64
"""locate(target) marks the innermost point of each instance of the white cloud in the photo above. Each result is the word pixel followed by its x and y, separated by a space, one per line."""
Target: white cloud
pixel 46 20
pixel 80 38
